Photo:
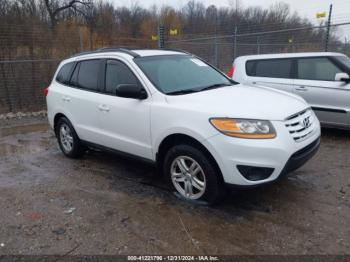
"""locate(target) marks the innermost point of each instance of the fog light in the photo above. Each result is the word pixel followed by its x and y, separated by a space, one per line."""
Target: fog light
pixel 254 173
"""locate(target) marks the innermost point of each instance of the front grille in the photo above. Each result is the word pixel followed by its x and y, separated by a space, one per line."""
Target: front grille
pixel 301 125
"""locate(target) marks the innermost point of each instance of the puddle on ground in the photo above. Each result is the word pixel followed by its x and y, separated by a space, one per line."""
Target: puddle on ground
pixel 13 141
pixel 8 131
pixel 24 148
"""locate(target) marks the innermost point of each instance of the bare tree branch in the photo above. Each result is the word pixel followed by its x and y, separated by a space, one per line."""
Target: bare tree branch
pixel 69 5
pixel 54 11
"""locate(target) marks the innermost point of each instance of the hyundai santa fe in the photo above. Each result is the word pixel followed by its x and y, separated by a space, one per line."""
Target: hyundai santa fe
pixel 172 109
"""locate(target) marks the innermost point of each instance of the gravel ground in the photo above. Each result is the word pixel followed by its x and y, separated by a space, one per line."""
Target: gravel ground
pixel 104 204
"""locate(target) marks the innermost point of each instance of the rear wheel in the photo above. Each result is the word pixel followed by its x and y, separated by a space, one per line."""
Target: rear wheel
pixel 192 174
pixel 68 139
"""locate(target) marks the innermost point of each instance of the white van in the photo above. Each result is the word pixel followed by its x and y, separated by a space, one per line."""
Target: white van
pixel 322 79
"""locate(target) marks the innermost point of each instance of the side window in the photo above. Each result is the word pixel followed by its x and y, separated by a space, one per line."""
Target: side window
pixel 118 73
pixel 317 69
pixel 274 68
pixel 249 68
pixel 64 73
pixel 86 74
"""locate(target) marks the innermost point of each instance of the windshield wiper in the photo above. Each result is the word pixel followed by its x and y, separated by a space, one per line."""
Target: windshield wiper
pixel 213 86
pixel 182 92
pixel 189 91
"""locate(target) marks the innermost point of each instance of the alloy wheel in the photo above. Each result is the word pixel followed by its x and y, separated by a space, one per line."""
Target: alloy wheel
pixel 188 177
pixel 66 138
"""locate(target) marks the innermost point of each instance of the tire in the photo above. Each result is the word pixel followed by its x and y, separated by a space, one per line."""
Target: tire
pixel 68 139
pixel 186 165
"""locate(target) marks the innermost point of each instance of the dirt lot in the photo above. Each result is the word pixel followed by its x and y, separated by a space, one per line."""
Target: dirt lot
pixel 103 204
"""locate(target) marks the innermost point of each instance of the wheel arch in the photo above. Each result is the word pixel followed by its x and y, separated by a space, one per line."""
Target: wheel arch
pixel 180 138
pixel 56 118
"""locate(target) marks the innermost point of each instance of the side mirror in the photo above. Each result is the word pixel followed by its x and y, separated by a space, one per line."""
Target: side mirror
pixel 131 91
pixel 343 77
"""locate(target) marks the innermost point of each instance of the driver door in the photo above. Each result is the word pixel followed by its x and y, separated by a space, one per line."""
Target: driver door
pixel 315 82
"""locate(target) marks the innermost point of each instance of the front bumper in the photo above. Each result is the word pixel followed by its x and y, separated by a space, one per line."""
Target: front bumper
pixel 299 158
pixel 282 154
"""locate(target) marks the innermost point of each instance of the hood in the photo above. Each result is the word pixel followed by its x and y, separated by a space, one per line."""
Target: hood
pixel 242 101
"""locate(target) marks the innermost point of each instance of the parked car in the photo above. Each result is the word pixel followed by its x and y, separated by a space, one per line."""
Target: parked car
pixel 172 109
pixel 322 79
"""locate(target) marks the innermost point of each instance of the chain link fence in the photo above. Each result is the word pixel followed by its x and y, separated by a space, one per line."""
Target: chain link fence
pixel 220 50
pixel 28 59
pixel 22 84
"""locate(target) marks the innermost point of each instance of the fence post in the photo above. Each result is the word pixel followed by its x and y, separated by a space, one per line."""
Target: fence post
pixel 160 36
pixel 235 43
pixel 328 27
pixel 81 40
pixel 216 51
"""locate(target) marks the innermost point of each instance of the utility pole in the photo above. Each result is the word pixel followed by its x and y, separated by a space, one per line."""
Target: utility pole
pixel 237 6
pixel 328 26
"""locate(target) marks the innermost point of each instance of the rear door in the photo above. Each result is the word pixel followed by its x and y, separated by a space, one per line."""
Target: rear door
pixel 82 99
pixel 315 82
pixel 275 73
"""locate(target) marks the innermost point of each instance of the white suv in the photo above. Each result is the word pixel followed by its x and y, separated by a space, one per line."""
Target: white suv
pixel 171 108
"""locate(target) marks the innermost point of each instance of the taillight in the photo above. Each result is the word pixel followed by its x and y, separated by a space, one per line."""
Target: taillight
pixel 231 72
pixel 46 91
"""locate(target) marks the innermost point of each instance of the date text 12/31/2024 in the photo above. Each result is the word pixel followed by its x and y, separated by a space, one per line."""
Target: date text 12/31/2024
pixel 173 258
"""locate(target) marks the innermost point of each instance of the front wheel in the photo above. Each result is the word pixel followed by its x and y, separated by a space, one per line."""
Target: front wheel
pixel 192 174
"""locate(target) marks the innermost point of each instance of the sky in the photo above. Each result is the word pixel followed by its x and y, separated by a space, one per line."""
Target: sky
pixel 306 8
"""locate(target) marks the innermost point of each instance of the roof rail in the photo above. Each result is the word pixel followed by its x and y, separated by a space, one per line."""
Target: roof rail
pixel 176 50
pixel 109 49
pixel 118 49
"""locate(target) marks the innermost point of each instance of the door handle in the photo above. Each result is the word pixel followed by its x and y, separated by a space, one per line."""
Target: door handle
pixel 103 108
pixel 301 88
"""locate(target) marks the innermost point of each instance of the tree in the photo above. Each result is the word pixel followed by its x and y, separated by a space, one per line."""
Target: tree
pixel 193 14
pixel 54 8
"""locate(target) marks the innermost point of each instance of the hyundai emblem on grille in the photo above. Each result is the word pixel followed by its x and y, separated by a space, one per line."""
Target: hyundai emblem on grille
pixel 306 122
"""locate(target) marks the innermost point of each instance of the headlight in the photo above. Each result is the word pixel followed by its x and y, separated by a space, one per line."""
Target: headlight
pixel 244 128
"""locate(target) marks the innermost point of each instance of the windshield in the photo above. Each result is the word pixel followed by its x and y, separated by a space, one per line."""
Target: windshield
pixel 180 74
pixel 344 60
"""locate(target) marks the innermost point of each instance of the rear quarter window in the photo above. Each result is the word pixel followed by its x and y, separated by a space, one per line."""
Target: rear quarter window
pixel 249 67
pixel 64 73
